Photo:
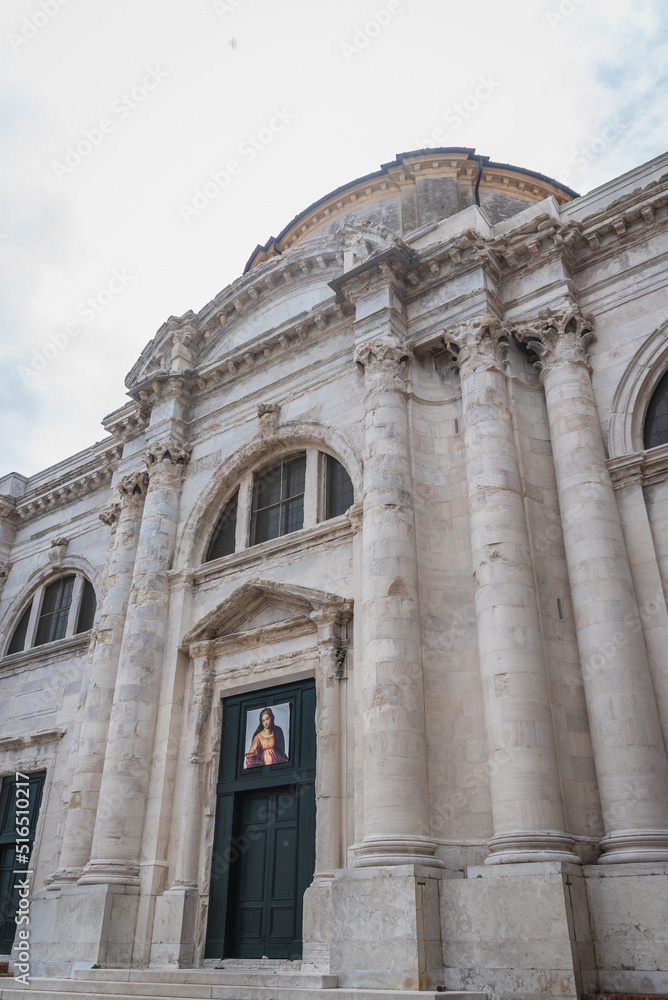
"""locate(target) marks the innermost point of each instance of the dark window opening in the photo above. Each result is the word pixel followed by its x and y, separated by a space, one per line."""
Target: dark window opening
pixel 223 539
pixel 18 640
pixel 278 500
pixel 25 794
pixel 86 608
pixel 55 610
pixel 656 422
pixel 339 489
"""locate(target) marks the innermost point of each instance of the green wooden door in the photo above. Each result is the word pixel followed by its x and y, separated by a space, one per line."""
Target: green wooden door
pixel 13 840
pixel 264 847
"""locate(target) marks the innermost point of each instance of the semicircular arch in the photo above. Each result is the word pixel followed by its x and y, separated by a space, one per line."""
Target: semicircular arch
pixel 634 392
pixel 290 436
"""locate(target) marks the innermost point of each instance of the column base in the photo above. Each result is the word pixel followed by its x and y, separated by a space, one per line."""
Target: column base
pixel 521 846
pixel 634 847
pixel 174 928
pixel 110 871
pixel 62 877
pixel 376 852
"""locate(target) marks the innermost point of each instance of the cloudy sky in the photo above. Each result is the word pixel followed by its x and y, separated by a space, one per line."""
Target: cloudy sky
pixel 114 113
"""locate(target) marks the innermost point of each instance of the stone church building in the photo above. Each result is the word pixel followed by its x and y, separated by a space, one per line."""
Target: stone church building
pixel 341 661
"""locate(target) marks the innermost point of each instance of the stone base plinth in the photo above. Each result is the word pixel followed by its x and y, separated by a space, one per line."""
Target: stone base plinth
pixel 628 906
pixel 318 925
pixel 386 929
pixel 518 930
pixel 82 926
pixel 174 928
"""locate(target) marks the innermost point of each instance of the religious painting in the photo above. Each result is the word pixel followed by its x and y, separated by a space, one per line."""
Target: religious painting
pixel 267 735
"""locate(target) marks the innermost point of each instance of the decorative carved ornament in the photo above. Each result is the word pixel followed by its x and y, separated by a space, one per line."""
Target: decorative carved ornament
pixel 166 451
pixel 267 414
pixel 475 344
pixel 559 337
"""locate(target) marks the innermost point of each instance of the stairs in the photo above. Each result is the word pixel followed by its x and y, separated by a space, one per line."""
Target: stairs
pixel 233 983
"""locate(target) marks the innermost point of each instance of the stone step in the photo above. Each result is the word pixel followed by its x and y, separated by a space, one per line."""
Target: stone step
pixel 41 989
pixel 109 979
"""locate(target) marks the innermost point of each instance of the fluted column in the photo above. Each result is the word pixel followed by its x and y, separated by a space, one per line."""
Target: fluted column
pixel 85 786
pixel 527 806
pixel 628 745
pixel 187 861
pixel 396 795
pixel 125 778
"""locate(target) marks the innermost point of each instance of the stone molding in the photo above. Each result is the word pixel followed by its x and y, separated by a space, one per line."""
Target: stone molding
pixel 70 487
pixel 644 468
pixel 11 744
pixel 168 450
pixel 267 415
pixel 383 360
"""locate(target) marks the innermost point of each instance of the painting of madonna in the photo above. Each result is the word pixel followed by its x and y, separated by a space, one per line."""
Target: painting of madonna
pixel 267 744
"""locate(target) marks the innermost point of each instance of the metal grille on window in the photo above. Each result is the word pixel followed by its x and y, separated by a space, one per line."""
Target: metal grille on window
pixel 278 500
pixel 339 489
pixel 55 610
pixel 656 422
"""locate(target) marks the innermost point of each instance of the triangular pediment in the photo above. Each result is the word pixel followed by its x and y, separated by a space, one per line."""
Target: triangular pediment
pixel 264 606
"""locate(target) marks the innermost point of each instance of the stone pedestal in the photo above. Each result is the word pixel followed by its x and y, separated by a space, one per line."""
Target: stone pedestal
pixel 81 927
pixel 518 930
pixel 386 928
pixel 174 929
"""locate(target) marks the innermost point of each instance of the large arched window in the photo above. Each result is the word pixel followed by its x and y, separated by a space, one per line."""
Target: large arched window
pixel 60 609
pixel 656 421
pixel 302 489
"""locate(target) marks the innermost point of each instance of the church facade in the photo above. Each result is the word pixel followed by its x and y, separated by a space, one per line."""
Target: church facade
pixel 342 659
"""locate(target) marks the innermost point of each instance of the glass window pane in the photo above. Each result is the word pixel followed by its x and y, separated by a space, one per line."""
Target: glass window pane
pixel 292 517
pixel 86 608
pixel 294 477
pixel 56 602
pixel 339 489
pixel 268 488
pixel 224 535
pixel 19 638
pixel 267 524
pixel 656 422
pixel 278 500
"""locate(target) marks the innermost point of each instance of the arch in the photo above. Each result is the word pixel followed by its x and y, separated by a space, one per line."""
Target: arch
pixel 292 435
pixel 37 579
pixel 634 392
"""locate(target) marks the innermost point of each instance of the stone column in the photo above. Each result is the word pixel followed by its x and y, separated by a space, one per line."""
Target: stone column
pixel 118 829
pixel 92 743
pixel 527 806
pixel 187 862
pixel 628 745
pixel 396 794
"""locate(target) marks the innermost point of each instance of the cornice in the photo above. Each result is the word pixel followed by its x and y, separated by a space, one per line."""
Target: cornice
pixel 644 468
pixel 127 421
pixel 71 486
pixel 13 743
pixel 50 652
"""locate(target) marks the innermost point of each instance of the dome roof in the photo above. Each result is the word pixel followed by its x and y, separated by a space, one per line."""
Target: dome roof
pixel 416 188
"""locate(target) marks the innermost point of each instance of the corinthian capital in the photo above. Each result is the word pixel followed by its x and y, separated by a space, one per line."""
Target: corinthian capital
pixel 380 360
pixel 166 451
pixel 558 337
pixel 475 343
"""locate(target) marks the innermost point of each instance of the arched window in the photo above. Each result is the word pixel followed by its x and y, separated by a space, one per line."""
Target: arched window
pixel 60 609
pixel 297 492
pixel 656 421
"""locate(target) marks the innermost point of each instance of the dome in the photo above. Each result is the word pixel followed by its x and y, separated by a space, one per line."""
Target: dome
pixel 416 188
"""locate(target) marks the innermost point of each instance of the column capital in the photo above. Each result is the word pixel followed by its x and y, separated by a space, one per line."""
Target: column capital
pixel 559 337
pixel 167 450
pixel 475 344
pixel 381 358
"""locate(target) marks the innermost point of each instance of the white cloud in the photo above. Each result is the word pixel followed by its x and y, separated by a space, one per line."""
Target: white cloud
pixel 559 86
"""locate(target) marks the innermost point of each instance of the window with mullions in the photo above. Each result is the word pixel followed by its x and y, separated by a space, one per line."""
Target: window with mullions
pixel 278 500
pixel 656 421
pixel 58 610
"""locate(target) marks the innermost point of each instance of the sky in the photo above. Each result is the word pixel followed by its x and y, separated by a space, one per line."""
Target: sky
pixel 114 114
